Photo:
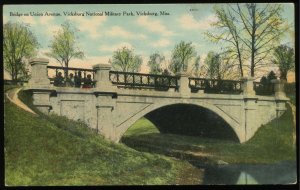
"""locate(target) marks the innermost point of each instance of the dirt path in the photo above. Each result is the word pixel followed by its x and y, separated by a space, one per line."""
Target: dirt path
pixel 294 120
pixel 12 95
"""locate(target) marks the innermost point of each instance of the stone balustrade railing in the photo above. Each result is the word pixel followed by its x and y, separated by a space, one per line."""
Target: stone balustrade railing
pixel 182 83
pixel 112 110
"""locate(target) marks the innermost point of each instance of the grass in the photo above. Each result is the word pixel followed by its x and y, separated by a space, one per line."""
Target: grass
pixel 292 98
pixel 271 143
pixel 290 89
pixel 52 150
pixel 8 87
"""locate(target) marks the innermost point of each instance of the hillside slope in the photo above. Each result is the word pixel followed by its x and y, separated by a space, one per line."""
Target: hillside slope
pixel 56 151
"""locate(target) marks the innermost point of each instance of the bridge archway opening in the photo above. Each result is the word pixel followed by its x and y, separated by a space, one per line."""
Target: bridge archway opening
pixel 191 120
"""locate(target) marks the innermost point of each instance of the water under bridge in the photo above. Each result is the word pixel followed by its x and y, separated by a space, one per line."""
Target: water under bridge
pixel 118 99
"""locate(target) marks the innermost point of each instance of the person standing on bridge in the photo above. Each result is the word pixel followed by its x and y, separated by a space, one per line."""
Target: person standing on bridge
pixel 59 80
pixel 77 80
pixel 88 82
pixel 70 80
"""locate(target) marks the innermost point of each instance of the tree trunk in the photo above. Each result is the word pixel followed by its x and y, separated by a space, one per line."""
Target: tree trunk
pixel 252 70
pixel 241 63
pixel 283 76
pixel 253 40
pixel 14 78
pixel 66 70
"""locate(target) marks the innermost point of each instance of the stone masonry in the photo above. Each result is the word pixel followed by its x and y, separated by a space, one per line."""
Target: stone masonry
pixel 111 110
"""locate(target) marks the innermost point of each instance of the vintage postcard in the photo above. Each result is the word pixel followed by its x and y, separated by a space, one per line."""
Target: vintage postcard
pixel 150 94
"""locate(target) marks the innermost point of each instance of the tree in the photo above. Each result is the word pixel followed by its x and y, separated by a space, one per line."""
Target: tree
pixel 264 80
pixel 19 43
pixel 213 63
pixel 155 62
pixel 265 87
pixel 196 67
pixel 218 67
pixel 264 26
pixel 25 74
pixel 271 76
pixel 227 32
pixel 285 59
pixel 64 45
pixel 124 60
pixel 181 55
pixel 253 30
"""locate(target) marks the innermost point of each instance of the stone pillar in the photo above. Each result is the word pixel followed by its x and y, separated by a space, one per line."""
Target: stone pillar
pixel 41 100
pixel 106 102
pixel 40 84
pixel 102 76
pixel 280 107
pixel 251 115
pixel 184 88
pixel 247 86
pixel 279 88
pixel 39 73
pixel 280 96
pixel 105 116
pixel 251 118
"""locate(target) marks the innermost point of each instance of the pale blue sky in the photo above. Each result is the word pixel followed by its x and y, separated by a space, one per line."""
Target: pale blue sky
pixel 99 36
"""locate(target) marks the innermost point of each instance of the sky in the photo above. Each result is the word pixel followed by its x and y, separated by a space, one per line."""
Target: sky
pixel 99 35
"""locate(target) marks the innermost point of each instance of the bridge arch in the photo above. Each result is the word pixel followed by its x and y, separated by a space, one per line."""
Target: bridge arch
pixel 235 126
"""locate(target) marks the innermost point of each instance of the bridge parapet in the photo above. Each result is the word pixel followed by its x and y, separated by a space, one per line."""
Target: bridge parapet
pixel 105 79
pixel 247 87
pixel 130 80
pixel 102 77
pixel 39 75
pixel 280 96
pixel 40 84
pixel 117 100
pixel 215 86
pixel 184 88
pixel 279 88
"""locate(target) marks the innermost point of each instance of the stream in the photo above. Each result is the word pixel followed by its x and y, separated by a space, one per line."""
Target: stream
pixel 284 172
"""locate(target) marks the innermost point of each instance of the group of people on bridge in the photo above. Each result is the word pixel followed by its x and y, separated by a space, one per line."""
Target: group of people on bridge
pixel 73 81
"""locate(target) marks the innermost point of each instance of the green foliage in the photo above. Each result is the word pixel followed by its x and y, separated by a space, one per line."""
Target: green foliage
pixel 19 43
pixel 249 31
pixel 284 57
pixel 8 87
pixel 271 76
pixel 181 55
pixel 226 32
pixel 142 126
pixel 290 90
pixel 64 45
pixel 217 66
pixel 53 150
pixel 213 62
pixel 271 143
pixel 155 62
pixel 264 80
pixel 266 87
pixel 124 60
pixel 196 70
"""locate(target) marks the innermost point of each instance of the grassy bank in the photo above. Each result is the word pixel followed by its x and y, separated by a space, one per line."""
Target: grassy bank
pixel 271 143
pixel 41 150
pixel 290 89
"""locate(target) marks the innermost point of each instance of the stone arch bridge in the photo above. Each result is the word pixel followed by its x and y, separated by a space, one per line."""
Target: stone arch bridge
pixel 119 99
